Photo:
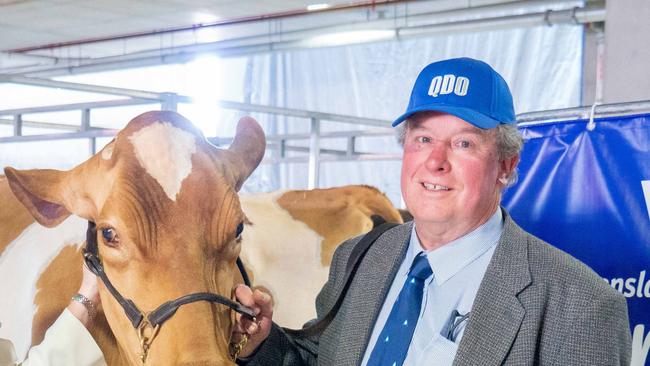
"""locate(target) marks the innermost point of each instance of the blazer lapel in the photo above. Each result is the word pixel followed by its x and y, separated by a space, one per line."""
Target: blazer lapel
pixel 367 292
pixel 497 313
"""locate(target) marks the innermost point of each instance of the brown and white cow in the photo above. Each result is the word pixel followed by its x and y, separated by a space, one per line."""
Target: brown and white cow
pixel 293 234
pixel 170 199
pixel 287 244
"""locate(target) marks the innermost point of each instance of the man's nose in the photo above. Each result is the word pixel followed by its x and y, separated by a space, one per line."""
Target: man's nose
pixel 437 161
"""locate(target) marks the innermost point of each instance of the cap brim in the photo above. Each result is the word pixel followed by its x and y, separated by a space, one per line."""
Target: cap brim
pixel 477 119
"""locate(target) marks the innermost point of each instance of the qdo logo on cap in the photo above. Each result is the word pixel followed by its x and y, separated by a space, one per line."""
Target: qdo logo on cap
pixel 442 85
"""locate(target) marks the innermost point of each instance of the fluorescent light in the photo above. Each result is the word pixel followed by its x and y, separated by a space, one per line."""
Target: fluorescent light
pixel 320 6
pixel 352 37
pixel 210 34
pixel 201 18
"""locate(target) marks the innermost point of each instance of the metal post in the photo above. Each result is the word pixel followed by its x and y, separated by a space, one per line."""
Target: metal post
pixel 314 154
pixel 18 125
pixel 283 148
pixel 351 143
pixel 169 102
pixel 85 126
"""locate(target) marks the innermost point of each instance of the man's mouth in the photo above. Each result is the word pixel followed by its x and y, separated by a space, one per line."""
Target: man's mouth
pixel 435 187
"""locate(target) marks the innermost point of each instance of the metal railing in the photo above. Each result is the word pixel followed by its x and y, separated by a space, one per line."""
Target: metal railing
pixel 280 144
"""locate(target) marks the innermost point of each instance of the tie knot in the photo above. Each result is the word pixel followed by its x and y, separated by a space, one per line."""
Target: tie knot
pixel 420 268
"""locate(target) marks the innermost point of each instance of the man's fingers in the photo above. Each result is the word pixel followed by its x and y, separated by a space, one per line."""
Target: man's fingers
pixel 265 303
pixel 247 326
pixel 244 295
pixel 262 305
pixel 262 298
pixel 248 298
pixel 252 328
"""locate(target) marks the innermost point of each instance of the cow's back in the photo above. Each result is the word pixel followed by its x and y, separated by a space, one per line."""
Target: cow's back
pixel 290 242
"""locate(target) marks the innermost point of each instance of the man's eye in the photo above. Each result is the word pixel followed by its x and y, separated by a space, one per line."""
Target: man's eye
pixel 464 144
pixel 423 139
pixel 110 235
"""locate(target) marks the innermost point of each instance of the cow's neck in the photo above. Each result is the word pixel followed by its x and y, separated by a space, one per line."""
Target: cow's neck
pixel 106 341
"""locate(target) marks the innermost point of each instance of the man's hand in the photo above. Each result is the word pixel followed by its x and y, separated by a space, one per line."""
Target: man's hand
pixel 262 305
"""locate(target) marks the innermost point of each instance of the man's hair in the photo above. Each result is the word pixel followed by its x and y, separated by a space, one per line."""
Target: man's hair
pixel 508 140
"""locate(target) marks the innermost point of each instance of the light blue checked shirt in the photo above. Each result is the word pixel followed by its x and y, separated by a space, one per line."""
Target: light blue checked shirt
pixel 458 268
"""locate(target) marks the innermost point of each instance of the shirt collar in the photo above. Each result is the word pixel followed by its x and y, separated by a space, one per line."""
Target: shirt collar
pixel 449 259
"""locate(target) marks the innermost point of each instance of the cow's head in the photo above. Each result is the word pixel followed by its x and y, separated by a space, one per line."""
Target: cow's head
pixel 166 208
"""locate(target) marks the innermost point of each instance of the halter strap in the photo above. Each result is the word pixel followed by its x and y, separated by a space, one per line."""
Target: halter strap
pixel 167 309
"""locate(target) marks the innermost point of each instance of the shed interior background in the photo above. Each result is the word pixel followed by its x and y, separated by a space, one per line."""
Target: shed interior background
pixel 324 81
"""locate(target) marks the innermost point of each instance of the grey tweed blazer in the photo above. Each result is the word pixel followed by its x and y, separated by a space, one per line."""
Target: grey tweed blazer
pixel 536 306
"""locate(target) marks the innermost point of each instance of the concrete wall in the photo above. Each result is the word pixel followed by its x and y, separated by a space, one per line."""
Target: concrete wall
pixel 627 51
pixel 593 55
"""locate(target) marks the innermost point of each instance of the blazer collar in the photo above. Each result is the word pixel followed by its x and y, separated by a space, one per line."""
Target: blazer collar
pixel 497 313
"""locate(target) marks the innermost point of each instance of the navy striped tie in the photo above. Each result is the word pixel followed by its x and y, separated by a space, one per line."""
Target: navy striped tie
pixel 395 338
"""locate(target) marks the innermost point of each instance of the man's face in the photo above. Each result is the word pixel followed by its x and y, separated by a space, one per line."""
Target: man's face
pixel 450 174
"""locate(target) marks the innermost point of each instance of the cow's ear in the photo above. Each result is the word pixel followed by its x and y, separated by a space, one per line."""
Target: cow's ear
pixel 39 190
pixel 248 146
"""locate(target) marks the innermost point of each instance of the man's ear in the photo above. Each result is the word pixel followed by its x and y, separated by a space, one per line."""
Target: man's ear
pixel 507 168
pixel 40 191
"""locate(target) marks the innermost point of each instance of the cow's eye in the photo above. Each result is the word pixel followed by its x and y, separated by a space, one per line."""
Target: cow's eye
pixel 110 236
pixel 240 229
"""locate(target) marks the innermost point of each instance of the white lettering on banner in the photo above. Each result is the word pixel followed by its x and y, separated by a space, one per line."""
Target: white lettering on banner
pixel 640 345
pixel 645 185
pixel 633 286
pixel 447 84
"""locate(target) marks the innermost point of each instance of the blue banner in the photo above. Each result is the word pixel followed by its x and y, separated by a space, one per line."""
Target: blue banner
pixel 588 193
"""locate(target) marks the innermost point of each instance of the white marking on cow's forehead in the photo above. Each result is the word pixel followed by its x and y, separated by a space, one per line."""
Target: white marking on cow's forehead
pixel 107 152
pixel 165 152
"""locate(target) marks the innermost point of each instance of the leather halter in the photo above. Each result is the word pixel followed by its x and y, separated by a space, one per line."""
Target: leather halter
pixel 156 318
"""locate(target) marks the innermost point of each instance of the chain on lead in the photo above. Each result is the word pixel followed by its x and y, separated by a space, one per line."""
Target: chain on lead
pixel 236 348
pixel 145 342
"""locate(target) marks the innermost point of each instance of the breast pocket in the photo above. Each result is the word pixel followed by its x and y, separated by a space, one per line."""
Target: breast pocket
pixel 439 351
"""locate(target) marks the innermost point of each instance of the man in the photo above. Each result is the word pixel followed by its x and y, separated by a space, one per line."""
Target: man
pixel 462 284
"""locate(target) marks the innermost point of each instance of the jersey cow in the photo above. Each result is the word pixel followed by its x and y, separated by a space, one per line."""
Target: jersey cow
pixel 166 208
pixel 168 247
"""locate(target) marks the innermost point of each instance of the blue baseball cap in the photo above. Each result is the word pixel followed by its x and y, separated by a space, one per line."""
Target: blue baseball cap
pixel 466 88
